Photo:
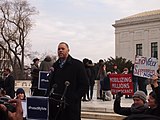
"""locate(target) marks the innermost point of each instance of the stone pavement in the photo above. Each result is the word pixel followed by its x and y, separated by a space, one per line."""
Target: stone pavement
pixel 98 109
pixel 105 106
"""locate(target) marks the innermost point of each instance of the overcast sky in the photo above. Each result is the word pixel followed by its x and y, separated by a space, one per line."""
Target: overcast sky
pixel 86 25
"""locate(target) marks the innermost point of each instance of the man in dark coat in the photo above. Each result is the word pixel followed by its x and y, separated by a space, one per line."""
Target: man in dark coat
pixel 9 83
pixel 68 82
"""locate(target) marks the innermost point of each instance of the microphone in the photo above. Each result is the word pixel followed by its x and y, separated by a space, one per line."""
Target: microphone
pixel 67 83
pixel 53 88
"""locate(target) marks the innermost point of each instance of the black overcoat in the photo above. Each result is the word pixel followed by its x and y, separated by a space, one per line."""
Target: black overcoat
pixel 9 85
pixel 74 72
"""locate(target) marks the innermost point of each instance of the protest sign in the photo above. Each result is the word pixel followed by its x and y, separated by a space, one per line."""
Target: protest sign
pixel 145 66
pixel 43 81
pixel 37 108
pixel 121 82
pixel 24 108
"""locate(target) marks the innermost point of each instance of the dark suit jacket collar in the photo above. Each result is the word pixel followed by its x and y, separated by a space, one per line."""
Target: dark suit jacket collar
pixel 68 60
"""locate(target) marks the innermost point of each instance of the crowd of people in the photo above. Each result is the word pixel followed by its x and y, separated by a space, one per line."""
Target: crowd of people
pixel 140 104
pixel 72 81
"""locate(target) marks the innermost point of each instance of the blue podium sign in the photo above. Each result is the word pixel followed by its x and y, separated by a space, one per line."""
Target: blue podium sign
pixel 37 108
pixel 43 80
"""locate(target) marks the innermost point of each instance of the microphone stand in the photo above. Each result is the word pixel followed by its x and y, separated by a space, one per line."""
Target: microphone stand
pixel 62 100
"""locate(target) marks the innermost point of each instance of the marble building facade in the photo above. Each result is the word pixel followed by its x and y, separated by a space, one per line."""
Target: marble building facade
pixel 138 34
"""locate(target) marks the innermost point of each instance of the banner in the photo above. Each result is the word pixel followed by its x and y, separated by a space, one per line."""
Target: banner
pixel 43 82
pixel 145 66
pixel 37 108
pixel 24 107
pixel 121 82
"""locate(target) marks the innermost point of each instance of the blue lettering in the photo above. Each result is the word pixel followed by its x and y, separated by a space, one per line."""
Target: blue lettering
pixel 150 62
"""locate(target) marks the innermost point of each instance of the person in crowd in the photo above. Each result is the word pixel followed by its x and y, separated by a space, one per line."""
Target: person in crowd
pixel 158 72
pixel 88 71
pixel 92 78
pixel 106 89
pixel 115 71
pixel 35 76
pixel 154 98
pixel 97 68
pixel 125 71
pixel 3 93
pixel 6 114
pixel 101 75
pixel 46 64
pixel 20 94
pixel 69 80
pixel 1 82
pixel 134 79
pixel 138 107
pixel 141 117
pixel 9 83
pixel 142 84
pixel 153 110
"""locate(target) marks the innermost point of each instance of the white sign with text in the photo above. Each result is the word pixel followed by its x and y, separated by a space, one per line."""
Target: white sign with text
pixel 145 66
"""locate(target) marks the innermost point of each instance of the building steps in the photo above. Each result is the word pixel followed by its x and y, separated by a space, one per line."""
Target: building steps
pixel 100 116
pixel 99 113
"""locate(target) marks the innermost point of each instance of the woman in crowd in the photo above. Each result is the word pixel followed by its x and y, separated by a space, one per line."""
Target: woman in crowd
pixel 20 94
pixel 106 89
pixel 101 75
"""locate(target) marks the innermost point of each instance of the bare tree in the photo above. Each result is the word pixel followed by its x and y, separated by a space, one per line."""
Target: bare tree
pixel 15 24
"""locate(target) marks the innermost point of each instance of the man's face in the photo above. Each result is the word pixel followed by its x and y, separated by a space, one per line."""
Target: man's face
pixel 138 102
pixel 5 73
pixel 151 102
pixel 63 51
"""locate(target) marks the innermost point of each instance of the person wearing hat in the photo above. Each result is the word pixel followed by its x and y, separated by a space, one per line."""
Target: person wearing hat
pixel 153 111
pixel 20 94
pixel 35 75
pixel 139 105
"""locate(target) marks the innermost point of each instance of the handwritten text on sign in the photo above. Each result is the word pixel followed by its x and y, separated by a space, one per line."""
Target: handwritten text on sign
pixel 121 82
pixel 145 67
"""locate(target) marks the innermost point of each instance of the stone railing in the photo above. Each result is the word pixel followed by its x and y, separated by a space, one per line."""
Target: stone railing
pixel 25 84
